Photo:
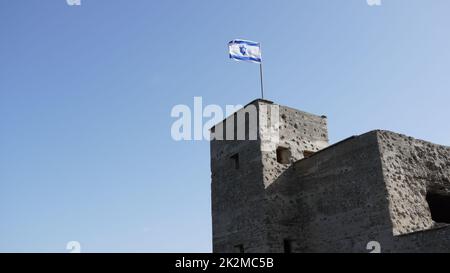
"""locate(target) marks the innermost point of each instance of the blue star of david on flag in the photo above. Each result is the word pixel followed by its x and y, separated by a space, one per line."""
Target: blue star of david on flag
pixel 242 50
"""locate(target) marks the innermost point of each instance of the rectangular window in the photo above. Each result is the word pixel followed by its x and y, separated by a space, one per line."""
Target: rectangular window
pixel 283 155
pixel 439 207
pixel 307 154
pixel 287 246
pixel 235 159
pixel 239 248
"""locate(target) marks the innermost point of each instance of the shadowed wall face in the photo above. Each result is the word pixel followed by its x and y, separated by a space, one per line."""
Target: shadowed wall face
pixel 237 191
pixel 333 201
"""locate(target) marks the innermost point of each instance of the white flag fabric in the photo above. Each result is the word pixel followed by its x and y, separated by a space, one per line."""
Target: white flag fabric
pixel 243 50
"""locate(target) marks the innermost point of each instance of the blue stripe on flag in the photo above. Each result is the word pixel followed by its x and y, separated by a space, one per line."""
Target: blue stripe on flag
pixel 244 42
pixel 242 58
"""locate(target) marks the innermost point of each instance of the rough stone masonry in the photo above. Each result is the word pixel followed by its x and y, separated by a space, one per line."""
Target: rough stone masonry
pixel 307 196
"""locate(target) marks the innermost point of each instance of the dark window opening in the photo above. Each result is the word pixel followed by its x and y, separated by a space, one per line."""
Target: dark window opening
pixel 439 207
pixel 307 154
pixel 287 246
pixel 283 155
pixel 235 159
pixel 239 248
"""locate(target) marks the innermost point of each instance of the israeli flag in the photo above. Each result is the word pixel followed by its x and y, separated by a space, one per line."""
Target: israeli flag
pixel 243 50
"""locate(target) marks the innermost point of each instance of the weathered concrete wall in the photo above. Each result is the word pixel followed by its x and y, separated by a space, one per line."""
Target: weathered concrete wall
pixel 368 188
pixel 237 194
pixel 334 201
pixel 436 240
pixel 412 168
pixel 299 131
pixel 371 187
pixel 239 202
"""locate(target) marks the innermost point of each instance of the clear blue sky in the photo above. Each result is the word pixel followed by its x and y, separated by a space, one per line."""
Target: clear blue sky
pixel 86 93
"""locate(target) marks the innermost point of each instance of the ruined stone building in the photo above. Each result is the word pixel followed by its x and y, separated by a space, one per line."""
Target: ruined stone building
pixel 304 195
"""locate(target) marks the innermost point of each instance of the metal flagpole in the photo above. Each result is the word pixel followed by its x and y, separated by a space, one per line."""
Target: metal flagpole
pixel 261 75
pixel 261 72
